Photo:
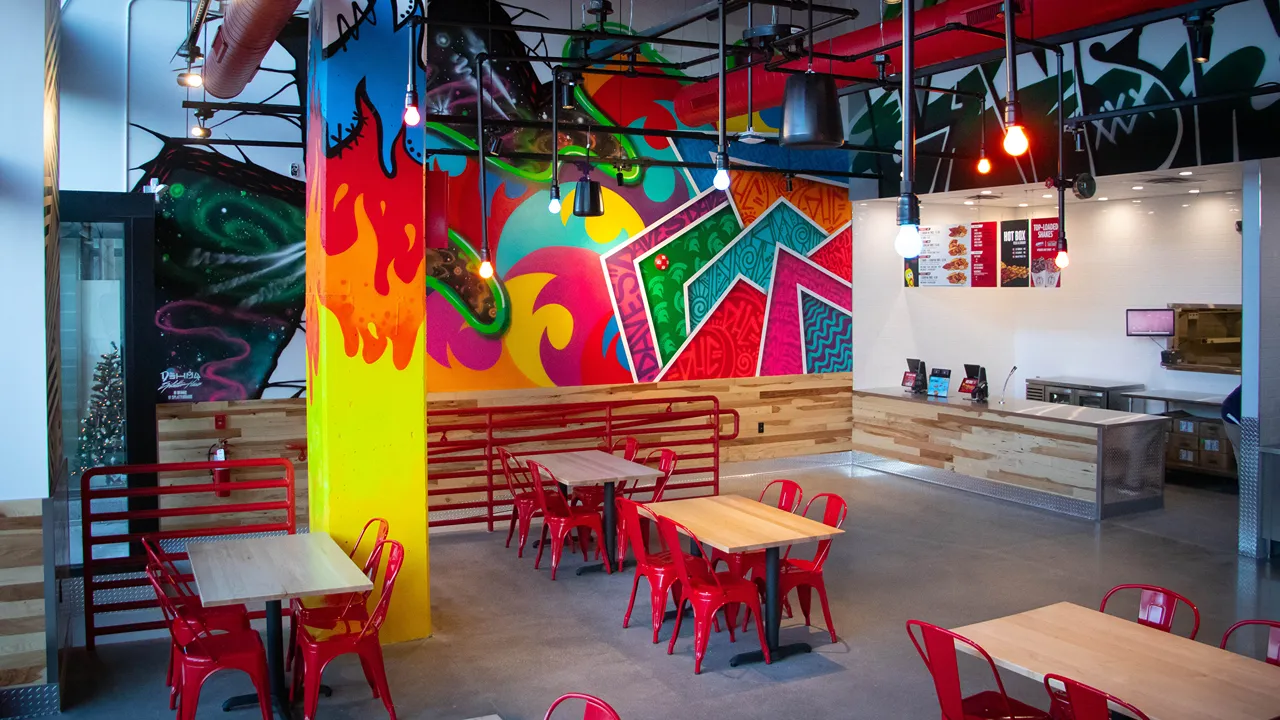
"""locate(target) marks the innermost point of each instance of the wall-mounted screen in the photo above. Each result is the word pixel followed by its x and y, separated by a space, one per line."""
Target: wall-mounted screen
pixel 1149 323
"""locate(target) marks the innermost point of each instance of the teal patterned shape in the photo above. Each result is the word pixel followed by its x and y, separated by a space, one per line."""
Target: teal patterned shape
pixel 828 336
pixel 751 255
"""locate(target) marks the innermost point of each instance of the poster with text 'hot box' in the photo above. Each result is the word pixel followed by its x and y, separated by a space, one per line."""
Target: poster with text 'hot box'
pixel 1015 262
pixel 944 256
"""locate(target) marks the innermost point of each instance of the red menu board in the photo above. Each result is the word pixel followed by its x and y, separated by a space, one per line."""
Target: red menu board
pixel 984 254
pixel 1045 272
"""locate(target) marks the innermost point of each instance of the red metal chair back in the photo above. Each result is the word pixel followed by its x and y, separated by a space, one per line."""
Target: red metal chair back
pixel 1077 701
pixel 666 465
pixel 184 629
pixel 631 514
pixel 168 572
pixel 834 512
pixel 630 447
pixel 384 529
pixel 686 565
pixel 596 709
pixel 789 494
pixel 552 504
pixel 394 552
pixel 1273 637
pixel 1156 606
pixel 939 656
pixel 517 475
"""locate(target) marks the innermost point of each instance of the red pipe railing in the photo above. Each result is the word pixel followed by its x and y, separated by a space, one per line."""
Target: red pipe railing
pixel 98 570
pixel 695 421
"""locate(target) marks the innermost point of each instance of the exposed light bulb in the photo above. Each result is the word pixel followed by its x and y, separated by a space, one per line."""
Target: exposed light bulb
pixel 190 79
pixel 553 207
pixel 1015 141
pixel 721 180
pixel 411 116
pixel 984 166
pixel 199 131
pixel 908 242
pixel 486 269
pixel 1062 259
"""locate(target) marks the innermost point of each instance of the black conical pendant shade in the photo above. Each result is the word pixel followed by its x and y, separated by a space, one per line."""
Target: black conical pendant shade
pixel 811 113
pixel 588 198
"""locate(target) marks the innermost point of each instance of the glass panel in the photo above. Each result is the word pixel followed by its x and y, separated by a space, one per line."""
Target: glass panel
pixel 92 317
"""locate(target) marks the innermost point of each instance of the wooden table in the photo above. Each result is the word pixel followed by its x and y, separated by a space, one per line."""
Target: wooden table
pixel 1166 676
pixel 735 524
pixel 272 569
pixel 595 467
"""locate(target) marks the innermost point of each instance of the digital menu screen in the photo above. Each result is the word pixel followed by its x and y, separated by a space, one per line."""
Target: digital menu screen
pixel 1150 323
pixel 939 382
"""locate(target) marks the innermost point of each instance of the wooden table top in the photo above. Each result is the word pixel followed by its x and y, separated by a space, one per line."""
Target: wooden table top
pixel 733 523
pixel 591 467
pixel 1166 676
pixel 278 567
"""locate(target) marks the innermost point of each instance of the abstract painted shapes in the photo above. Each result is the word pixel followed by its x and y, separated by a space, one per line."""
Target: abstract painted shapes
pixel 828 336
pixel 728 343
pixel 784 335
pixel 627 290
pixel 664 275
pixel 751 256
pixel 836 253
pixel 826 204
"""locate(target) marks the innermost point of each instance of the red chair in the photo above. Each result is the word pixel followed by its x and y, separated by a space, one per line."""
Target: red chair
pixel 1156 606
pixel 1273 637
pixel 1077 701
pixel 201 653
pixel 707 591
pixel 667 460
pixel 596 709
pixel 189 612
pixel 328 610
pixel 658 568
pixel 558 518
pixel 592 496
pixel 524 507
pixel 789 498
pixel 317 647
pixel 939 655
pixel 804 575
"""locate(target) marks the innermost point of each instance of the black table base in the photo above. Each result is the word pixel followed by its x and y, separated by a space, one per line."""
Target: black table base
pixel 772 618
pixel 275 670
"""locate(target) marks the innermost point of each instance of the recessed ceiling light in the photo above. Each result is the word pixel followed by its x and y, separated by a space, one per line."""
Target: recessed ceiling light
pixel 1022 204
pixel 1046 196
pixel 1185 173
pixel 985 192
pixel 1137 201
pixel 1231 192
pixel 1194 192
pixel 1137 187
pixel 1103 199
pixel 968 202
pixel 1186 206
pixel 1151 212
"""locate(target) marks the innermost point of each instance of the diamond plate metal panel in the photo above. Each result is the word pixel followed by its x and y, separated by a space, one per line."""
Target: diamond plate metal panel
pixel 1250 542
pixel 32 701
pixel 1132 464
pixel 1073 507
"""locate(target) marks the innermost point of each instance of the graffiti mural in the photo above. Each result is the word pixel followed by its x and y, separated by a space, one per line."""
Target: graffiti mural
pixel 675 281
pixel 1131 68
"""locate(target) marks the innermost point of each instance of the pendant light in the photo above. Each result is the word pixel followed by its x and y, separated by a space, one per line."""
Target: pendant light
pixel 411 115
pixel 721 179
pixel 751 137
pixel 908 242
pixel 588 196
pixel 984 165
pixel 486 267
pixel 1062 260
pixel 811 108
pixel 554 206
pixel 1199 26
pixel 1015 136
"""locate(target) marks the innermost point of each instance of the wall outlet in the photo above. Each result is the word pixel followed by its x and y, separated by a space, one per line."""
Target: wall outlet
pixel 760 428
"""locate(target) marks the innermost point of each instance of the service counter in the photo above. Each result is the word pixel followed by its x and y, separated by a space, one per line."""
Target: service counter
pixel 1079 461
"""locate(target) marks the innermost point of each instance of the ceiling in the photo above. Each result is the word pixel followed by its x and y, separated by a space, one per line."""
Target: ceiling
pixel 1206 179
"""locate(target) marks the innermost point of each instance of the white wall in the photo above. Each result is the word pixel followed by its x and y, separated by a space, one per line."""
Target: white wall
pixel 1123 255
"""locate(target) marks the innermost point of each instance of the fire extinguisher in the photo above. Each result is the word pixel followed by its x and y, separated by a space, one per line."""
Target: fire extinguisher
pixel 221 476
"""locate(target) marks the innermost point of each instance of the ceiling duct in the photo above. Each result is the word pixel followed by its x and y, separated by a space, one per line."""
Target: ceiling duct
pixel 248 30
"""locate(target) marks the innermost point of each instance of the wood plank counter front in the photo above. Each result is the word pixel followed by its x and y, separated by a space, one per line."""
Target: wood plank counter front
pixel 1113 460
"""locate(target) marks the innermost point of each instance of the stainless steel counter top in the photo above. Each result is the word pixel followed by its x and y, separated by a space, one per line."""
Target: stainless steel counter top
pixel 1093 417
pixel 1087 383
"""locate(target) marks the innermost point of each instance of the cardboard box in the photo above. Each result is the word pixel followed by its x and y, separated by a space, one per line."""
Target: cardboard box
pixel 1216 460
pixel 1179 441
pixel 1212 429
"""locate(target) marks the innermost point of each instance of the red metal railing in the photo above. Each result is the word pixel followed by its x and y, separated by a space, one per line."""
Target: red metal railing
pixel 124 572
pixel 463 444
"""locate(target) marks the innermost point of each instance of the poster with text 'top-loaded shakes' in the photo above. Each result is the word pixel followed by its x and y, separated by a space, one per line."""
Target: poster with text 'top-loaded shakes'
pixel 1015 261
pixel 1045 272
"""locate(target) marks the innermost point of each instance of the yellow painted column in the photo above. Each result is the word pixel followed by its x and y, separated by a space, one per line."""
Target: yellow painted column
pixel 366 382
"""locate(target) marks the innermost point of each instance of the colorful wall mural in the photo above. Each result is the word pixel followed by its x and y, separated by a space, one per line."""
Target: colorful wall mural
pixel 675 281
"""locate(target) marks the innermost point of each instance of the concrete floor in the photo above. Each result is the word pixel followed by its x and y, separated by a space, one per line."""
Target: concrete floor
pixel 508 640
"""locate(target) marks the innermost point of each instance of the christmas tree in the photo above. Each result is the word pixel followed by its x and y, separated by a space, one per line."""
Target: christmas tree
pixel 102 432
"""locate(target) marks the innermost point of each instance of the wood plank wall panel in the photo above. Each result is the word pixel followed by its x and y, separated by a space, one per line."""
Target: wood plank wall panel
pixel 22 641
pixel 1054 457
pixel 803 414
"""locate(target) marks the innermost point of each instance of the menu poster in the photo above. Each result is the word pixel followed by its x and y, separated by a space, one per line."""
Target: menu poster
pixel 983 254
pixel 1045 272
pixel 1014 260
pixel 944 256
